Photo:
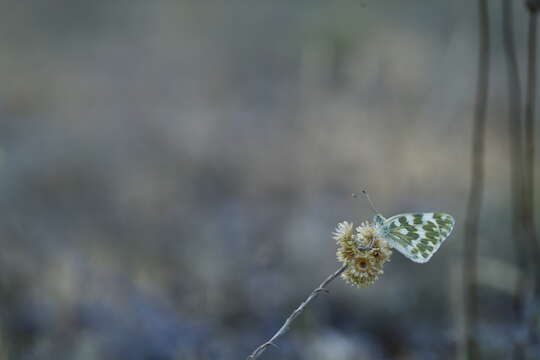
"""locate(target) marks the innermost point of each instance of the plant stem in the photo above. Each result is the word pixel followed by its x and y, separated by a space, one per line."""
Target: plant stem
pixel 477 185
pixel 532 316
pixel 517 181
pixel 514 126
pixel 530 104
pixel 286 325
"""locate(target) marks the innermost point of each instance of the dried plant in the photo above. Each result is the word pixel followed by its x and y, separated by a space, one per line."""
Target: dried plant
pixel 362 256
pixel 364 253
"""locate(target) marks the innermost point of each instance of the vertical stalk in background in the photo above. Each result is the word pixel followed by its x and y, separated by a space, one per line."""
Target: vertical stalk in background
pixel 515 132
pixel 514 128
pixel 514 124
pixel 530 104
pixel 477 185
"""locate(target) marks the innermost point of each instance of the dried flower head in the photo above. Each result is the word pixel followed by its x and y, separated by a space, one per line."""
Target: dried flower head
pixel 364 253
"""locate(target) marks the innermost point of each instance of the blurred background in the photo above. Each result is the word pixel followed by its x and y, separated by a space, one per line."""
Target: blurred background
pixel 171 173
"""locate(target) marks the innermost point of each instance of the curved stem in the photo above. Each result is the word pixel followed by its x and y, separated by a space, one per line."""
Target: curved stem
pixel 286 325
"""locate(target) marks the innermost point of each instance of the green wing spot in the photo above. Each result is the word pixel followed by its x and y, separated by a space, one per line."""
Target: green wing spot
pixel 418 235
pixel 409 236
pixel 445 230
pixel 443 223
pixel 403 240
pixel 427 245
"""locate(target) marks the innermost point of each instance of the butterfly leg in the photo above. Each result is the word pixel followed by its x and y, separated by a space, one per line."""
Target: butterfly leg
pixel 368 247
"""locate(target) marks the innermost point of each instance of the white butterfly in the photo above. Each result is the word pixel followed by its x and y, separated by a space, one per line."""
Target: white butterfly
pixel 416 235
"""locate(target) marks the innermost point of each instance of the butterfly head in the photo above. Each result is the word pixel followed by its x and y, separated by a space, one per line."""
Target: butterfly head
pixel 379 219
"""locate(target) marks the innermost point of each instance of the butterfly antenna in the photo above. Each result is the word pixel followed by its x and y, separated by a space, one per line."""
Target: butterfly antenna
pixel 365 193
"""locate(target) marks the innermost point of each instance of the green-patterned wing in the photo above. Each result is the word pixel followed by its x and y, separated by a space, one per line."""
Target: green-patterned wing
pixel 418 235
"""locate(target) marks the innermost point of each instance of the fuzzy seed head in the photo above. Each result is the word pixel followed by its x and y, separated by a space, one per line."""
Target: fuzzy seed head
pixel 363 265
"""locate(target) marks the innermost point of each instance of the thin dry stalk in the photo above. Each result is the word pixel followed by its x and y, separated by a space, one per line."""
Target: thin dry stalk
pixel 532 315
pixel 514 124
pixel 515 131
pixel 286 325
pixel 477 186
pixel 530 105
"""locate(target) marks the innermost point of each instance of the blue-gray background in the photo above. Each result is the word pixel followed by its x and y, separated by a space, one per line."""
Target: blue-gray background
pixel 171 172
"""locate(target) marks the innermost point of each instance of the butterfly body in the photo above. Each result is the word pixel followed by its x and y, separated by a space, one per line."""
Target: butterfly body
pixel 416 235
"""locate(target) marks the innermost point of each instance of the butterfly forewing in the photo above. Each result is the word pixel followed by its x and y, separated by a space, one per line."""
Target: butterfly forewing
pixel 418 235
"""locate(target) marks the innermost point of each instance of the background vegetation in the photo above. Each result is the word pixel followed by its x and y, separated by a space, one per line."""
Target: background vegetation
pixel 171 172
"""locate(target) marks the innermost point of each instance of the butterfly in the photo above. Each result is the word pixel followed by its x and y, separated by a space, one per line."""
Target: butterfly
pixel 416 235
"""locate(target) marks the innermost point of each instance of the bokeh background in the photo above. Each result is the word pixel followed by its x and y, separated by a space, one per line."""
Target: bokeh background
pixel 171 173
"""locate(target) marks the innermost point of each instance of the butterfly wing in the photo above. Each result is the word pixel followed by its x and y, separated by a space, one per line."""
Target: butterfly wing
pixel 418 235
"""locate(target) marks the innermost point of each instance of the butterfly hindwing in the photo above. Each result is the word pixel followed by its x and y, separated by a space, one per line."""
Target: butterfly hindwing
pixel 418 235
